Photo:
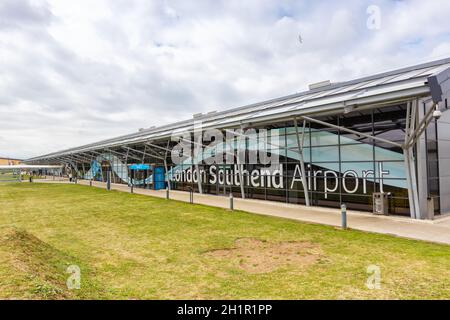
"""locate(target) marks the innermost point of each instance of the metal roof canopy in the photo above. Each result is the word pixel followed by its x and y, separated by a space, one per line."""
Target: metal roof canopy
pixel 398 86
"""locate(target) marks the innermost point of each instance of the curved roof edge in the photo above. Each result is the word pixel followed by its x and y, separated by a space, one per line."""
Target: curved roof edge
pixel 426 79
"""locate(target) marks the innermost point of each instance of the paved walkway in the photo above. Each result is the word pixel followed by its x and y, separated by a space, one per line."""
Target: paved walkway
pixel 427 230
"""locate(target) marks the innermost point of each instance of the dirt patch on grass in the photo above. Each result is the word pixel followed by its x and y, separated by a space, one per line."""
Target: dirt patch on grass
pixel 39 267
pixel 258 256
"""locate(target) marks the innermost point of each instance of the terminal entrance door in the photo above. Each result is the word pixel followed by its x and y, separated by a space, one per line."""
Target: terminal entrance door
pixel 141 175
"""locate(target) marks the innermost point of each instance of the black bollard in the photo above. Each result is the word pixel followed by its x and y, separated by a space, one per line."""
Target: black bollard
pixel 108 180
pixel 231 201
pixel 344 216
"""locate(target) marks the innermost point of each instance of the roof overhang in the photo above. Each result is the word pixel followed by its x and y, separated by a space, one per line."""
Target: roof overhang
pixel 429 80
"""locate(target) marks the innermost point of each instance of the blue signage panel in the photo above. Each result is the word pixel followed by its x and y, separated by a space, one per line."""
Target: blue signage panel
pixel 139 166
pixel 159 178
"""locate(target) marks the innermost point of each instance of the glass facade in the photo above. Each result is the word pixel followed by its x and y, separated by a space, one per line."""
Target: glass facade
pixel 341 167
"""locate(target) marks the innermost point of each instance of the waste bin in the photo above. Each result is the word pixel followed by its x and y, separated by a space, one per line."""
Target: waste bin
pixel 430 208
pixel 380 203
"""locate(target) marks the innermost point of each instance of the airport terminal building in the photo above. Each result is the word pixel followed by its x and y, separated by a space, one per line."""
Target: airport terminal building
pixel 382 139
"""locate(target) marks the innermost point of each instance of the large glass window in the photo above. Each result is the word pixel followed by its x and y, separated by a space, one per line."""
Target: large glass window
pixel 340 166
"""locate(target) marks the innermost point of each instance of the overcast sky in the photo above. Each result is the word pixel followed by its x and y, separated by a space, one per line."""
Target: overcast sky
pixel 74 72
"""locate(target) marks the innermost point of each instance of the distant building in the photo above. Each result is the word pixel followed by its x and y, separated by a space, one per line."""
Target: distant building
pixel 9 161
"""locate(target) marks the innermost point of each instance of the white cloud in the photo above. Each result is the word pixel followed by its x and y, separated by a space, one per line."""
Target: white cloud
pixel 74 72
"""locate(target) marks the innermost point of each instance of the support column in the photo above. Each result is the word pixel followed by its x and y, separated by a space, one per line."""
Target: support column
pixel 240 165
pixel 406 160
pixel 165 165
pixel 84 170
pixel 199 179
pixel 198 148
pixel 90 168
pixel 421 164
pixel 199 175
pixel 300 144
pixel 128 171
pixel 408 152
pixel 167 174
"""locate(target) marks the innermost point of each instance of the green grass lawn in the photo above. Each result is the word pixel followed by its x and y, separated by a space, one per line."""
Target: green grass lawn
pixel 130 246
pixel 8 176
